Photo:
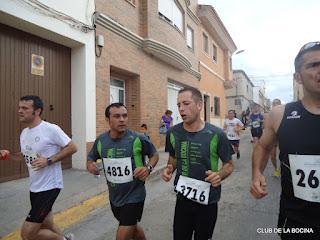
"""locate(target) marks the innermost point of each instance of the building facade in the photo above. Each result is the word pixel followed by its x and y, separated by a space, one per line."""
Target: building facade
pixel 81 57
pixel 152 49
pixel 47 50
pixel 240 97
pixel 215 67
pixel 297 91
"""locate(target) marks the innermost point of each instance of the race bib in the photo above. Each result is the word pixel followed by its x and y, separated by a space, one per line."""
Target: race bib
pixel 29 157
pixel 118 170
pixel 231 135
pixel 256 124
pixel 305 172
pixel 193 189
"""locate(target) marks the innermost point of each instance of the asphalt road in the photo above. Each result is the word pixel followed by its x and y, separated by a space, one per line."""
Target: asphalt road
pixel 240 216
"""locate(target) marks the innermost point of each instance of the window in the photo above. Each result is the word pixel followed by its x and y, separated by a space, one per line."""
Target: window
pixel 117 91
pixel 189 37
pixel 215 53
pixel 217 106
pixel 205 43
pixel 170 11
pixel 230 61
pixel 237 101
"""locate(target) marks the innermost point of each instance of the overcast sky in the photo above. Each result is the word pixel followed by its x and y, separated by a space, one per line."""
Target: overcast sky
pixel 270 32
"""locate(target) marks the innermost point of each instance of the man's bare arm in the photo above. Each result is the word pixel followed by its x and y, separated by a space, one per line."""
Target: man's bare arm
pixel 170 168
pixel 173 161
pixel 262 151
pixel 226 169
pixel 66 151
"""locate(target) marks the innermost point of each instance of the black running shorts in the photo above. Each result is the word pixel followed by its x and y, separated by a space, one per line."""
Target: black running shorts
pixel 128 214
pixel 41 204
pixel 256 132
pixel 192 217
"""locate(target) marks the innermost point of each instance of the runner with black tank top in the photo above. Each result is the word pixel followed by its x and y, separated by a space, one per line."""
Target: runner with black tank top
pixel 300 166
pixel 296 126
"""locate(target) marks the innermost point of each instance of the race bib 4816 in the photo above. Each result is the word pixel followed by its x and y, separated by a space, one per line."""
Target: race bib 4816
pixel 118 170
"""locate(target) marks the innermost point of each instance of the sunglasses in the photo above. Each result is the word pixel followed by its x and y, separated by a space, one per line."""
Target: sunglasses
pixel 308 46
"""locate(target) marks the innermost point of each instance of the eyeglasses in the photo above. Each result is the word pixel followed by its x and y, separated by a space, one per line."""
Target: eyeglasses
pixel 308 46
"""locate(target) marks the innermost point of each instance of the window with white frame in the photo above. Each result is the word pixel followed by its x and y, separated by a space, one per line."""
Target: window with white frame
pixel 205 43
pixel 117 91
pixel 190 37
pixel 170 11
pixel 214 53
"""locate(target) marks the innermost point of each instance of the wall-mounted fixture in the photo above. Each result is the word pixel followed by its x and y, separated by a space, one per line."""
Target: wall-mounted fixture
pixel 100 41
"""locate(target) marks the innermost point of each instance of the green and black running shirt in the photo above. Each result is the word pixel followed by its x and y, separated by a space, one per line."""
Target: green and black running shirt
pixel 197 152
pixel 133 145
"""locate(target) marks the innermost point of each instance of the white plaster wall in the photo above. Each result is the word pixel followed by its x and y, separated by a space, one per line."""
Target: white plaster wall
pixel 79 9
pixel 83 103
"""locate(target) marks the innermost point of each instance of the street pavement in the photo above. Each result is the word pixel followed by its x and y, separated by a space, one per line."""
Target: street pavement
pixel 83 206
pixel 82 194
pixel 240 216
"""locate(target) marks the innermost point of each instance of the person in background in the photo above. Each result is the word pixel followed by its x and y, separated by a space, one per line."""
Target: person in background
pixel 144 130
pixel 167 119
pixel 256 122
pixel 244 119
pixel 232 127
pixel 273 155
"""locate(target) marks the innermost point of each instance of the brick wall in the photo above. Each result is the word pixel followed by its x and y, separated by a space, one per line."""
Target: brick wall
pixel 145 76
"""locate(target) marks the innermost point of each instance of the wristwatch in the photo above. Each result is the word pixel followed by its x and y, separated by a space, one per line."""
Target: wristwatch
pixel 49 161
pixel 150 168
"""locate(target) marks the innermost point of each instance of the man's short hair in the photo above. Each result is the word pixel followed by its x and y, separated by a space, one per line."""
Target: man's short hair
pixel 143 125
pixel 308 47
pixel 232 111
pixel 113 105
pixel 37 102
pixel 196 94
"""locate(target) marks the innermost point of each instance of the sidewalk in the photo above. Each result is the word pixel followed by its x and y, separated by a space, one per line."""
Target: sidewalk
pixel 82 193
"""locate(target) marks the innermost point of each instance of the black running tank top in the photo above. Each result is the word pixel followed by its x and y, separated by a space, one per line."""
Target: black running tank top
pixel 299 134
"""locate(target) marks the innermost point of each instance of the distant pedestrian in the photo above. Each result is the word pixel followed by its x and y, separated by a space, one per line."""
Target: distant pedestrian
pixel 123 153
pixel 144 130
pixel 232 127
pixel 273 155
pixel 244 119
pixel 256 123
pixel 166 122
